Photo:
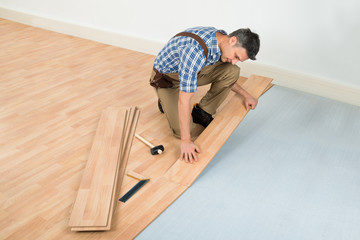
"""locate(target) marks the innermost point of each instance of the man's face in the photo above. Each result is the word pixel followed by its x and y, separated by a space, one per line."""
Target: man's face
pixel 232 53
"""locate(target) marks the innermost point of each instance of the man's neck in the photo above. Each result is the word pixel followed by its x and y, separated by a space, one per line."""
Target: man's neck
pixel 221 38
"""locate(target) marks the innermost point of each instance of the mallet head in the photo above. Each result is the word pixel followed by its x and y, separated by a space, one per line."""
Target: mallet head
pixel 157 150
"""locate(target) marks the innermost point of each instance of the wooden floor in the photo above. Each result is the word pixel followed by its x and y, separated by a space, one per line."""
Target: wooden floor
pixel 53 88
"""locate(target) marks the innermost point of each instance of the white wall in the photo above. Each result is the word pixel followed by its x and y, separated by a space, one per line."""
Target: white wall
pixel 317 38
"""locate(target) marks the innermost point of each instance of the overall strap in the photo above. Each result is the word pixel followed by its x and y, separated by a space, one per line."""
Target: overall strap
pixel 197 38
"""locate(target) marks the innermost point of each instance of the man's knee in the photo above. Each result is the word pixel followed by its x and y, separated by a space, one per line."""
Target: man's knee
pixel 231 73
pixel 176 133
pixel 176 129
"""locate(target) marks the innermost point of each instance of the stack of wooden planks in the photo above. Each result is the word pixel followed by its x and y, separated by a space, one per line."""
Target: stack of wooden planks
pixel 99 188
pixel 169 177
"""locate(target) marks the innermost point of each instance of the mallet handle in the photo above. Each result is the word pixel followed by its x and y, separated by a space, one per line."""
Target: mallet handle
pixel 143 140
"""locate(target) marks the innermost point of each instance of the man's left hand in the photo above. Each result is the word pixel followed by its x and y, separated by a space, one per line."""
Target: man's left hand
pixel 250 103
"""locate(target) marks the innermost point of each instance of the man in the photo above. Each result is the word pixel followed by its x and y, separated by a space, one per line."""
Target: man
pixel 199 56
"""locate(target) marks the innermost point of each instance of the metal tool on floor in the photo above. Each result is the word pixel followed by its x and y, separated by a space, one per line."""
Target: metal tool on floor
pixel 134 189
pixel 154 150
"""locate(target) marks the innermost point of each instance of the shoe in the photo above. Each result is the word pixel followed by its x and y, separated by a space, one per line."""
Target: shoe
pixel 200 116
pixel 160 107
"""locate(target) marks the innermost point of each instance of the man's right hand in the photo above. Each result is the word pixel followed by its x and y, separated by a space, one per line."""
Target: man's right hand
pixel 189 151
pixel 188 148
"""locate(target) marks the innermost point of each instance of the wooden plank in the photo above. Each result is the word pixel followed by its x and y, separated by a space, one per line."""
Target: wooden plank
pixel 137 176
pixel 267 88
pixel 134 118
pixel 93 202
pixel 129 128
pixel 121 150
pixel 215 135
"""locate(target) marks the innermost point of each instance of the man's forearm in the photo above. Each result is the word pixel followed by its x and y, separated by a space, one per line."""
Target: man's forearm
pixel 184 114
pixel 249 101
pixel 239 90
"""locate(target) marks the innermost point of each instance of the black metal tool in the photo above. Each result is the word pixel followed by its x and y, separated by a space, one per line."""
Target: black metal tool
pixel 133 190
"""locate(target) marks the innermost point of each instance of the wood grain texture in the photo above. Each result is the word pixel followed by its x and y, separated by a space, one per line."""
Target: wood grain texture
pixel 216 134
pixel 93 202
pixel 136 176
pixel 128 119
pixel 134 118
pixel 53 90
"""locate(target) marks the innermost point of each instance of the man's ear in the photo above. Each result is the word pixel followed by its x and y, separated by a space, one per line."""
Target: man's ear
pixel 233 40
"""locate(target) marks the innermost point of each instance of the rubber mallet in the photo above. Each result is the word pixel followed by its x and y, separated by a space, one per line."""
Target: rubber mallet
pixel 154 150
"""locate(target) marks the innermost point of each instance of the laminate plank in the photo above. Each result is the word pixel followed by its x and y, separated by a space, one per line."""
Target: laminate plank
pixel 124 159
pixel 93 203
pixel 128 133
pixel 215 135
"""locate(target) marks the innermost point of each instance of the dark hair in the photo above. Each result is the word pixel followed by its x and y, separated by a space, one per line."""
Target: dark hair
pixel 248 40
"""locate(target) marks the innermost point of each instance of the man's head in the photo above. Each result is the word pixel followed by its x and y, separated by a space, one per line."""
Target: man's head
pixel 241 45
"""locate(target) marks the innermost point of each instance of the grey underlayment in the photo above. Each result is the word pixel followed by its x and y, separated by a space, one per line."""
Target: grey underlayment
pixel 291 170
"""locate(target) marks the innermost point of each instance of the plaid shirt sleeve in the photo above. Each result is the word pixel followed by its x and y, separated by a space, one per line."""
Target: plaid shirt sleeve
pixel 192 60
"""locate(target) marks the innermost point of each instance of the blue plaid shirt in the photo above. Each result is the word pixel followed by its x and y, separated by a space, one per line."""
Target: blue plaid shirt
pixel 184 55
